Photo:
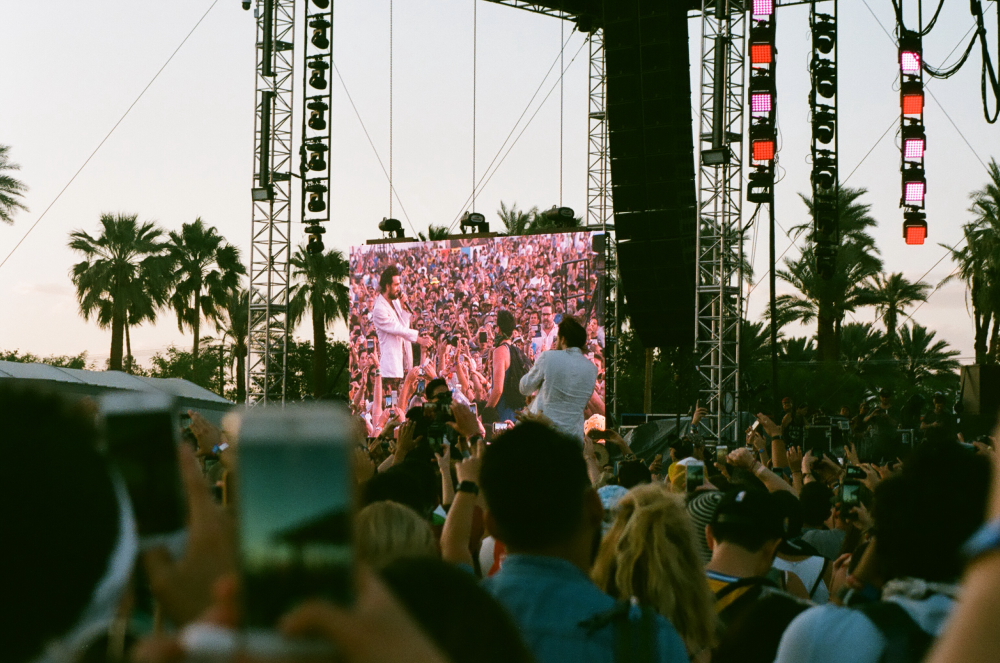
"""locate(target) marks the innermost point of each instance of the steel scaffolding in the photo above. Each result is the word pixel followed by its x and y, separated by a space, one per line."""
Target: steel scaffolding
pixel 270 243
pixel 719 246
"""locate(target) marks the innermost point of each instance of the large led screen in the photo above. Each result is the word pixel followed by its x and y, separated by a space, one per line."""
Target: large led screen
pixel 450 295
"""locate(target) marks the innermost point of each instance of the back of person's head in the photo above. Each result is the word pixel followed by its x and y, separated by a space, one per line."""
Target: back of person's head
pixel 409 484
pixel 60 527
pixel 651 553
pixel 683 448
pixel 386 531
pixel 925 513
pixel 433 386
pixel 816 500
pixel 632 473
pixel 506 322
pixel 463 620
pixel 388 274
pixel 571 331
pixel 747 518
pixel 535 483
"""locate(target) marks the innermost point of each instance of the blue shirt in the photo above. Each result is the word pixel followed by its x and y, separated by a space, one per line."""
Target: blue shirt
pixel 549 597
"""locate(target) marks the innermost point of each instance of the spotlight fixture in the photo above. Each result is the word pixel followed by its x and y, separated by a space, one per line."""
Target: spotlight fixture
pixel 910 53
pixel 914 142
pixel 825 215
pixel 761 92
pixel 914 187
pixel 763 7
pixel 914 227
pixel 316 120
pixel 391 227
pixel 318 77
pixel 759 188
pixel 762 141
pixel 316 202
pixel 824 33
pixel 316 159
pixel 556 213
pixel 319 38
pixel 912 95
pixel 246 5
pixel 826 77
pixel 826 260
pixel 475 222
pixel 761 53
pixel 824 173
pixel 322 4
pixel 824 124
pixel 315 245
pixel 716 157
pixel 761 42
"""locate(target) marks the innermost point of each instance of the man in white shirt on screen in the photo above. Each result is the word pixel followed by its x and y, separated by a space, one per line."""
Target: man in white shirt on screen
pixel 564 380
pixel 391 316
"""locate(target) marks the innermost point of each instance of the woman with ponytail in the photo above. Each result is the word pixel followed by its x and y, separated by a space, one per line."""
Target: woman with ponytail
pixel 651 555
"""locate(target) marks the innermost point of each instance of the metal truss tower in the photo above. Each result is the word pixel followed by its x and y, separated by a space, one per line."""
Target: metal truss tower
pixel 825 137
pixel 314 159
pixel 600 214
pixel 270 241
pixel 719 246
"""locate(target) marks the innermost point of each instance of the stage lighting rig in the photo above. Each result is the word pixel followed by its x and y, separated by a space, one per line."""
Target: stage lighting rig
pixel 825 162
pixel 322 4
pixel 315 244
pixel 825 76
pixel 914 187
pixel 761 42
pixel 392 228
pixel 317 108
pixel 914 227
pixel 763 144
pixel 914 136
pixel 556 213
pixel 759 188
pixel 761 92
pixel 316 191
pixel 824 173
pixel 824 123
pixel 319 38
pixel 318 77
pixel 824 34
pixel 475 222
pixel 316 158
pixel 246 5
pixel 914 142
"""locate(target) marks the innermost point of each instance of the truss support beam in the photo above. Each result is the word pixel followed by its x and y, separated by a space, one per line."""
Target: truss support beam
pixel 719 246
pixel 270 243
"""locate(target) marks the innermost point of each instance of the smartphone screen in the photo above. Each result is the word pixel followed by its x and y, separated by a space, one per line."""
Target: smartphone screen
pixel 295 506
pixel 474 408
pixel 499 427
pixel 695 476
pixel 421 387
pixel 483 338
pixel 143 447
pixel 721 453
pixel 849 494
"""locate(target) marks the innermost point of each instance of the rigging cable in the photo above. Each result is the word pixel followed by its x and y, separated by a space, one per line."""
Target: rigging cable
pixel 475 50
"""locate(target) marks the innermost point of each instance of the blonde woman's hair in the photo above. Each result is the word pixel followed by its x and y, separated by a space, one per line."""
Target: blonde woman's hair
pixel 651 554
pixel 386 531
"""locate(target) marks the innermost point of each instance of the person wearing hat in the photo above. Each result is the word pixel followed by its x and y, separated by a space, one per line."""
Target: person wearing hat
pixel 938 425
pixel 884 419
pixel 744 535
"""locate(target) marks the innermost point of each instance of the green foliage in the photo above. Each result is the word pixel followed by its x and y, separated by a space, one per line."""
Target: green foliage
pixel 434 233
pixel 11 189
pixel 514 220
pixel 202 370
pixel 62 361
pixel 674 384
pixel 300 384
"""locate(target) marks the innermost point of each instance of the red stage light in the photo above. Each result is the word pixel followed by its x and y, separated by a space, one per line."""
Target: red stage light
pixel 763 150
pixel 761 54
pixel 915 234
pixel 913 103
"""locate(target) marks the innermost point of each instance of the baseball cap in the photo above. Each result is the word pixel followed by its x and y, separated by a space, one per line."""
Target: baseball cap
pixel 701 507
pixel 753 511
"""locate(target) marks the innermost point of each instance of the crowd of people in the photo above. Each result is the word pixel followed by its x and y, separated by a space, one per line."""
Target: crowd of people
pixel 476 313
pixel 545 544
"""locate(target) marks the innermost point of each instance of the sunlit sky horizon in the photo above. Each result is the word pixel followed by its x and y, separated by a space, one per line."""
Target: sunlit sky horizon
pixel 185 149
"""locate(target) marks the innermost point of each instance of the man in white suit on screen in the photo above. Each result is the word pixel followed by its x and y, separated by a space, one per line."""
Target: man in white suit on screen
pixel 391 316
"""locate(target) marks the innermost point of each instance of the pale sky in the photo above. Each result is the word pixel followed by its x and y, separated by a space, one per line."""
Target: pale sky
pixel 185 150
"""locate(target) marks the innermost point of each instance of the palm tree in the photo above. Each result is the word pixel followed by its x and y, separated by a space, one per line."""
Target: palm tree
pixel 891 295
pixel 11 188
pixel 922 359
pixel 828 301
pixel 207 269
pixel 434 233
pixel 320 286
pixel 979 266
pixel 514 220
pixel 233 321
pixel 124 272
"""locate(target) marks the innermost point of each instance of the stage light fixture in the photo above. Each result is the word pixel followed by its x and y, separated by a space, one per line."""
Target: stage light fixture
pixel 824 124
pixel 914 142
pixel 759 188
pixel 826 259
pixel 315 245
pixel 824 172
pixel 914 227
pixel 716 157
pixel 761 92
pixel 763 7
pixel 261 194
pixel 317 121
pixel 910 53
pixel 761 42
pixel 912 94
pixel 914 187
pixel 475 222
pixel 761 53
pixel 762 141
pixel 392 227
pixel 319 38
pixel 316 160
pixel 764 149
pixel 761 103
pixel 318 77
pixel 825 216
pixel 246 5
pixel 824 33
pixel 316 202
pixel 322 4
pixel 826 78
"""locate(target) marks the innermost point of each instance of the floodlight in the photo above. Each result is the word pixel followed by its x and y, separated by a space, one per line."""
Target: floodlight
pixel 318 77
pixel 246 4
pixel 825 215
pixel 316 120
pixel 322 4
pixel 914 187
pixel 761 103
pixel 392 227
pixel 825 76
pixel 761 42
pixel 763 7
pixel 319 38
pixel 260 194
pixel 760 183
pixel 764 149
pixel 824 124
pixel 475 222
pixel 912 95
pixel 914 227
pixel 716 157
pixel 914 142
pixel 824 33
pixel 761 53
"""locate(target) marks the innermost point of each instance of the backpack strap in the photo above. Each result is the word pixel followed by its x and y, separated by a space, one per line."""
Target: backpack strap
pixel 741 583
pixel 907 642
pixel 819 578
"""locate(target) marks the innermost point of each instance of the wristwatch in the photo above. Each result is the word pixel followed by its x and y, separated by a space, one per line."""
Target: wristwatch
pixel 983 542
pixel 219 448
pixel 468 487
